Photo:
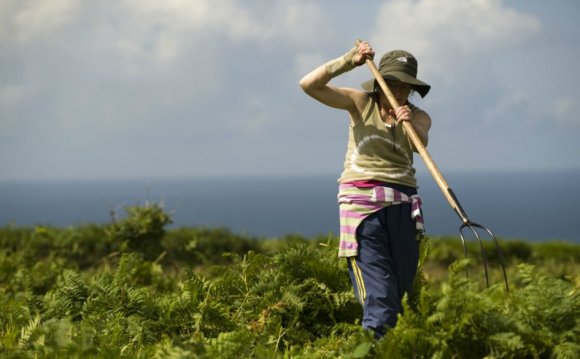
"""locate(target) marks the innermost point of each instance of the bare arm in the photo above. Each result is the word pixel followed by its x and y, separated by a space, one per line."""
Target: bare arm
pixel 421 123
pixel 316 82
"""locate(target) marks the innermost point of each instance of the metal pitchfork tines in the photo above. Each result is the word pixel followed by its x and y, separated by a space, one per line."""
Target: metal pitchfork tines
pixel 467 225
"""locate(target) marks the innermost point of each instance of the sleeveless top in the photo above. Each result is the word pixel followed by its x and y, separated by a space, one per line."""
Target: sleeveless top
pixel 377 151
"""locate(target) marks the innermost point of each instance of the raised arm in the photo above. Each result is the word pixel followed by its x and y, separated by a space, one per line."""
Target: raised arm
pixel 316 82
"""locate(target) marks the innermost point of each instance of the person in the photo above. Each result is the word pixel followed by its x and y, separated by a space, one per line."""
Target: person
pixel 380 212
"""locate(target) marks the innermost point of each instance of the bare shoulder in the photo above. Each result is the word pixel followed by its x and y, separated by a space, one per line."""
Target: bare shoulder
pixel 344 98
pixel 361 99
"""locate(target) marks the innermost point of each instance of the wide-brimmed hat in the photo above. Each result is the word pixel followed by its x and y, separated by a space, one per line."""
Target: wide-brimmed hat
pixel 402 66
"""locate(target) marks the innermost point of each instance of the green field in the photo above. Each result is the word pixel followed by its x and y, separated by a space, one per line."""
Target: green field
pixel 135 289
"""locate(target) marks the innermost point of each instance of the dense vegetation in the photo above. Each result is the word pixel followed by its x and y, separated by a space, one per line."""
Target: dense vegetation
pixel 136 289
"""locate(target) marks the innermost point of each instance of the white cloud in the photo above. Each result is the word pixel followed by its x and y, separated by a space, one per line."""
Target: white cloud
pixel 178 25
pixel 466 50
pixel 26 20
pixel 156 34
pixel 448 33
pixel 93 79
pixel 145 75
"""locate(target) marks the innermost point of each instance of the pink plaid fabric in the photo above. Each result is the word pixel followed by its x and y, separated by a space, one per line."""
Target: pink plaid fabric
pixel 356 203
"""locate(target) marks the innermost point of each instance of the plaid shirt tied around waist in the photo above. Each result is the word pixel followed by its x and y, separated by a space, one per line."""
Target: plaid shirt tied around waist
pixel 356 203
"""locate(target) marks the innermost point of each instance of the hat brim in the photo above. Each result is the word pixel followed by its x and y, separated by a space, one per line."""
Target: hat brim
pixel 421 87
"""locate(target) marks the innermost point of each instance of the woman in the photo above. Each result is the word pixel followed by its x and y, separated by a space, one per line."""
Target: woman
pixel 380 213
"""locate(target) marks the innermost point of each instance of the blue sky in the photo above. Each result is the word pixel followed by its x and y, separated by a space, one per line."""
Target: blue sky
pixel 176 88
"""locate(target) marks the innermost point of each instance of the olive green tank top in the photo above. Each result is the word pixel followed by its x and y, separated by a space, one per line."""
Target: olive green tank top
pixel 377 151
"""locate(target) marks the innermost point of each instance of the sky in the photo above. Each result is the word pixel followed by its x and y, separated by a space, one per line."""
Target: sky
pixel 117 89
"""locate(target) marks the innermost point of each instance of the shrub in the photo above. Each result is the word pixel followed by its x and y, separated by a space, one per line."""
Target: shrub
pixel 142 230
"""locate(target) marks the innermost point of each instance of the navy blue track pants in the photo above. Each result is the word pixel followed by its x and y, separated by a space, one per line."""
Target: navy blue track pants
pixel 386 265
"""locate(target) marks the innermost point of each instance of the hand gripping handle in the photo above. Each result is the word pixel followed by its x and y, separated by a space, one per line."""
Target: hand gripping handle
pixel 447 191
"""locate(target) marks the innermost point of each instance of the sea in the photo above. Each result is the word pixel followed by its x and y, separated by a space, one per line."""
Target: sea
pixel 526 205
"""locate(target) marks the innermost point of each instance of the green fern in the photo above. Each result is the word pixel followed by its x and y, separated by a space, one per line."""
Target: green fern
pixel 27 333
pixel 288 298
pixel 67 297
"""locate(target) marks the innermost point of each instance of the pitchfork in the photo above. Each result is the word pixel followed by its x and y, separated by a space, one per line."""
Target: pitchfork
pixel 467 225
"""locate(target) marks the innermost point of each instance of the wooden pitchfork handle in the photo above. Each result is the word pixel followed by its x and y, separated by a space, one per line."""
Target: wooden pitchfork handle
pixel 447 191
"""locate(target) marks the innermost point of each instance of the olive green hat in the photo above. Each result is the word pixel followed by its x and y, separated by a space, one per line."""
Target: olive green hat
pixel 402 66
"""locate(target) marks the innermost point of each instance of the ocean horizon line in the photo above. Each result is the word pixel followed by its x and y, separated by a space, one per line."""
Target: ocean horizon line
pixel 422 172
